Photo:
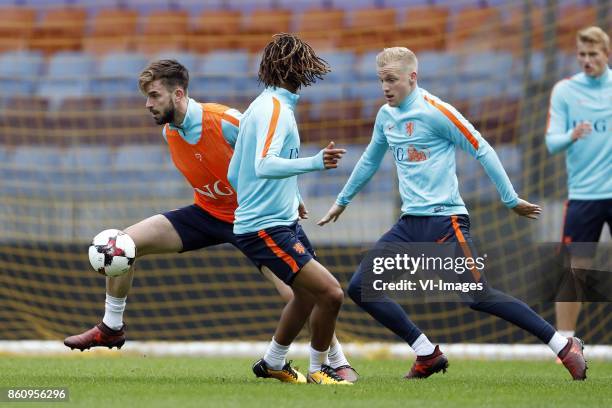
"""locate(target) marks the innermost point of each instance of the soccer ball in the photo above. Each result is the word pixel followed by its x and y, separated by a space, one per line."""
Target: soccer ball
pixel 112 252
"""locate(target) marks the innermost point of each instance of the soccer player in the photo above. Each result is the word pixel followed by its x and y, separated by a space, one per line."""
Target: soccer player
pixel 263 171
pixel 580 125
pixel 422 131
pixel 201 139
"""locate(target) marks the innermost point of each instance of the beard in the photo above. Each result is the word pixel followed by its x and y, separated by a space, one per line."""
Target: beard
pixel 166 116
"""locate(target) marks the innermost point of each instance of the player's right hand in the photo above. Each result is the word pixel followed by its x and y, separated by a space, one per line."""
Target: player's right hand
pixel 332 215
pixel 331 156
pixel 582 130
pixel 526 209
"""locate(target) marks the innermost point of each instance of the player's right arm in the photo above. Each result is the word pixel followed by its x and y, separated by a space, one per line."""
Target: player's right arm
pixel 365 168
pixel 559 134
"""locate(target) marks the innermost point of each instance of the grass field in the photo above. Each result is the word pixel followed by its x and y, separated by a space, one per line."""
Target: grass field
pixel 129 381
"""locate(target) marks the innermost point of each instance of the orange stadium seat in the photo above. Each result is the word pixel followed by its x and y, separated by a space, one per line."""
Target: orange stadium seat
pixel 261 25
pixel 16 25
pixel 369 29
pixel 218 29
pixel 321 27
pixel 60 29
pixel 475 29
pixel 512 31
pixel 163 30
pixel 111 30
pixel 572 19
pixel 423 28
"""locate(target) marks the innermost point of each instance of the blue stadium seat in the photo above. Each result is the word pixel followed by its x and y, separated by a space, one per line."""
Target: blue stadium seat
pixel 297 6
pixel 354 4
pixel 19 71
pixel 223 75
pixel 33 171
pixel 70 65
pixel 224 63
pixel 195 7
pixel 68 75
pixel 247 6
pixel 342 64
pixel 488 64
pixel 436 69
pixel 366 66
pixel 117 74
pixel 370 92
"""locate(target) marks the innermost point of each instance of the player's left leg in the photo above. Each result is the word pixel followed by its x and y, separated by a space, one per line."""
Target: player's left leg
pixel 336 356
pixel 512 310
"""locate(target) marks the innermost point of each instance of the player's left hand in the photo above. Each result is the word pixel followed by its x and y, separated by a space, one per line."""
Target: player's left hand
pixel 526 209
pixel 302 212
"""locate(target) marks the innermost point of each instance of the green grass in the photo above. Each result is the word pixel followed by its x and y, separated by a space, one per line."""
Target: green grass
pixel 128 381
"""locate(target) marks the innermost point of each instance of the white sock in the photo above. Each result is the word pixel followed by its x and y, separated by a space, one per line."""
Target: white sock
pixel 336 356
pixel 317 358
pixel 113 312
pixel 275 355
pixel 567 333
pixel 557 342
pixel 422 346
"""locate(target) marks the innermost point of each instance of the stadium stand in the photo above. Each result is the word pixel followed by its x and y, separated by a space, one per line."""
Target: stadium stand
pixel 79 152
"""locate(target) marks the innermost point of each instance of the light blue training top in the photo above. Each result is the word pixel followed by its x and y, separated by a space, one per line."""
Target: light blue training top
pixel 265 165
pixel 422 134
pixel 578 99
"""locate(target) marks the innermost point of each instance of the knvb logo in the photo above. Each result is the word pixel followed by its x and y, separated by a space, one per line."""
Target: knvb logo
pixel 299 248
pixel 409 128
pixel 217 189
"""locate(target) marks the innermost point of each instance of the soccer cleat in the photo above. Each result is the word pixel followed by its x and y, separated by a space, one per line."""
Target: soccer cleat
pixel 424 366
pixel 348 373
pixel 327 376
pixel 572 358
pixel 99 336
pixel 287 374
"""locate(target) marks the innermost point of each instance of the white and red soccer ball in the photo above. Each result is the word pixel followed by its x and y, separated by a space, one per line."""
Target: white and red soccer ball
pixel 112 252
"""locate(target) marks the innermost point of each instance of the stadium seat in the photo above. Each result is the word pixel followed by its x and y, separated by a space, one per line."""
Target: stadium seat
pixel 475 28
pixel 513 28
pixel 370 93
pixel 423 28
pixel 16 25
pixel 321 27
pixel 434 70
pixel 342 64
pixel 111 30
pixel 68 75
pixel 117 74
pixel 163 30
pixel 195 7
pixel 573 18
pixel 247 6
pixel 19 71
pixel 366 66
pixel 350 5
pixel 218 22
pixel 299 6
pixel 60 29
pixel 368 29
pixel 261 25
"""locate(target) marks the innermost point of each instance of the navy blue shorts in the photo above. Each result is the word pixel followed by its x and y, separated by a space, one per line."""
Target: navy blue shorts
pixel 283 249
pixel 436 228
pixel 198 229
pixel 584 220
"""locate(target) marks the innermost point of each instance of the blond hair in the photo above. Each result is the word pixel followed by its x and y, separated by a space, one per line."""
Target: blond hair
pixel 594 35
pixel 402 55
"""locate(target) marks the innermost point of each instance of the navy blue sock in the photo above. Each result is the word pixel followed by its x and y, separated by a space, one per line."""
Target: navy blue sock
pixel 386 311
pixel 514 311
